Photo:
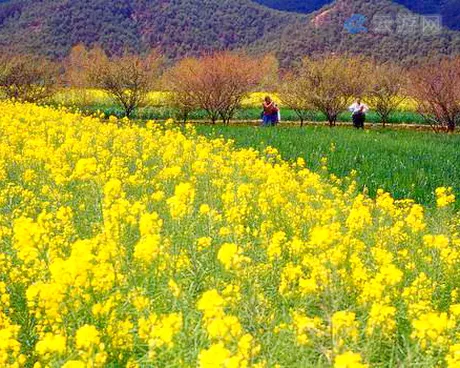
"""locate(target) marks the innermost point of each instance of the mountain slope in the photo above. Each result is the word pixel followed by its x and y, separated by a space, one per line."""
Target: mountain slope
pixel 448 9
pixel 191 27
pixel 177 27
pixel 331 29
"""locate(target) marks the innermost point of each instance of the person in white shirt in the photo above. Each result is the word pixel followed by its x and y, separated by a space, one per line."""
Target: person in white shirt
pixel 359 111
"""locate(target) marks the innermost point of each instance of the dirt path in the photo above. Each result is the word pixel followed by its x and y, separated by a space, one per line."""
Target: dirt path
pixel 417 127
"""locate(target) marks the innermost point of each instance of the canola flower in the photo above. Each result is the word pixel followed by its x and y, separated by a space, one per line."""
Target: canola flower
pixel 91 96
pixel 85 97
pixel 123 246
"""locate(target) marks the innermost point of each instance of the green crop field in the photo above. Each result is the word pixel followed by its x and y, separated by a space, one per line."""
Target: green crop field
pixel 244 114
pixel 407 164
pixel 96 101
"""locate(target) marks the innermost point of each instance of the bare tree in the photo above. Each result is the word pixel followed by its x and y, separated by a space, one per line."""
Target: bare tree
pixel 295 93
pixel 76 73
pixel 238 75
pixel 127 79
pixel 269 70
pixel 334 81
pixel 181 85
pixel 216 83
pixel 386 89
pixel 27 78
pixel 435 86
pixel 76 67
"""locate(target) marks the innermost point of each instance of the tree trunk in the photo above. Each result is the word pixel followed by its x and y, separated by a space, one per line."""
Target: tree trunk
pixel 332 120
pixel 300 116
pixel 385 117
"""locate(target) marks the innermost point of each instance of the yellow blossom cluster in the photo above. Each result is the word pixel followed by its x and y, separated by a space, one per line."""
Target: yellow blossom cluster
pixel 85 97
pixel 444 197
pixel 141 246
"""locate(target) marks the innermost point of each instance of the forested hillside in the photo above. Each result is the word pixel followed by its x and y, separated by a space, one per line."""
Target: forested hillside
pixel 448 9
pixel 385 31
pixel 180 28
pixel 177 27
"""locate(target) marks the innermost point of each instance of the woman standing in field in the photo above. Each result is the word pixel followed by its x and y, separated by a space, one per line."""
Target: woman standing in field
pixel 270 115
pixel 359 111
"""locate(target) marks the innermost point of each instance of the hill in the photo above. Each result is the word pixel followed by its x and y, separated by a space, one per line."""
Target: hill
pixel 191 27
pixel 383 30
pixel 177 27
pixel 448 9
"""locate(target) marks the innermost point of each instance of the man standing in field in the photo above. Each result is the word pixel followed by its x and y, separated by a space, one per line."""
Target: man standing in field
pixel 359 111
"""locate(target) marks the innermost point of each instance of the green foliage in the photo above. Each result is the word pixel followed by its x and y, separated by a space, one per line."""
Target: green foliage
pixel 178 28
pixel 243 115
pixel 193 27
pixel 407 164
pixel 326 34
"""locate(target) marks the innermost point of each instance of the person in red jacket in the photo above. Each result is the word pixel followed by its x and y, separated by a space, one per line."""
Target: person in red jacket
pixel 270 115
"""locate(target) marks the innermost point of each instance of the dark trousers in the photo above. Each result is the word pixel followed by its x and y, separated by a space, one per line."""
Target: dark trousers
pixel 358 120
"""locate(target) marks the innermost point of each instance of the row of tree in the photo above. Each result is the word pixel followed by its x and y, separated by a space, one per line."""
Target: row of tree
pixel 331 84
pixel 217 83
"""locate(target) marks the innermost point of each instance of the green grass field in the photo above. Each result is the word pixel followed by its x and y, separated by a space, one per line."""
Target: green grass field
pixel 248 114
pixel 405 163
pixel 92 101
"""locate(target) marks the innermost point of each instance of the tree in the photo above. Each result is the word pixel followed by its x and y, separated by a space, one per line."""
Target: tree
pixel 76 67
pixel 386 89
pixel 180 86
pixel 127 78
pixel 334 82
pixel 269 69
pixel 27 78
pixel 435 86
pixel 215 83
pixel 295 94
pixel 76 72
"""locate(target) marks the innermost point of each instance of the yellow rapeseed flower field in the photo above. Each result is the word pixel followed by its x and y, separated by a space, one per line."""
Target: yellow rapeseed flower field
pixel 156 247
pixel 88 97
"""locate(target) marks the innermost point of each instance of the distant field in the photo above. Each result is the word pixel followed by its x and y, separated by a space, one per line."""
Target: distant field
pixel 92 101
pixel 247 114
pixel 406 164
